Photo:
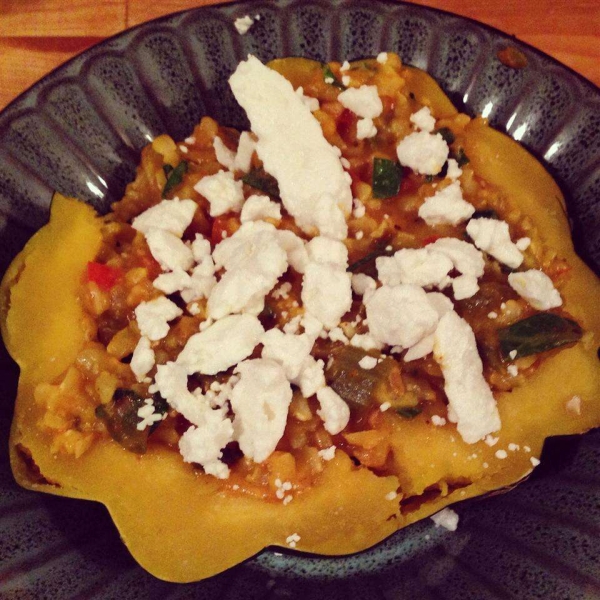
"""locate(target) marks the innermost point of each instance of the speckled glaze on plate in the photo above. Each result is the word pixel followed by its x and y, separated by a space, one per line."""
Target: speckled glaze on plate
pixel 80 130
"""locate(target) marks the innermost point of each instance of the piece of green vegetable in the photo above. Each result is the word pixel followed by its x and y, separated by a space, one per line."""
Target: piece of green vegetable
pixel 538 333
pixel 366 264
pixel 447 134
pixel 387 177
pixel 328 75
pixel 409 412
pixel 261 180
pixel 174 176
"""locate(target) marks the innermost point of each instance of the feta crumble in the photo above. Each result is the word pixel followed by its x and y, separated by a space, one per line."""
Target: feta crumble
pixel 421 266
pixel 513 370
pixel 362 284
pixel 259 207
pixel 174 216
pixel 385 406
pixel 288 350
pixel 454 171
pixel 363 101
pixel 423 119
pixel 493 236
pixel 222 191
pixel 327 453
pixel 142 359
pixel 334 411
pixel 147 415
pixel 292 540
pixel 153 317
pixel 168 250
pixel 501 454
pixel 311 103
pixel 391 496
pixel 365 129
pixel 534 461
pixel 326 293
pixel 325 250
pixel 446 518
pixel 537 288
pixel 446 206
pixel 472 404
pixel 382 57
pixel 243 24
pixel 423 152
pixel 312 183
pixel 438 421
pixel 367 362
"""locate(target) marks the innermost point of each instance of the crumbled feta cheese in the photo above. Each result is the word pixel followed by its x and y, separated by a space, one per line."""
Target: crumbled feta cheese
pixel 523 243
pixel 259 208
pixel 224 155
pixel 203 444
pixel 400 315
pixel 295 249
pixel 147 415
pixel 168 250
pixel 260 402
pixel 325 250
pixel 312 183
pixel 254 261
pixel 311 378
pixel 423 152
pixel 359 209
pixel 464 256
pixel 513 370
pixel 446 206
pixel 454 171
pixel 366 341
pixel 469 395
pixel 362 284
pixel 423 119
pixel 222 345
pixel 245 150
pixel 311 103
pixel 326 293
pixel 513 447
pixel 327 453
pixel 512 354
pixel 493 236
pixel 492 315
pixel 385 406
pixel 201 282
pixel 464 286
pixel 153 317
pixel 345 66
pixel 574 405
pixel 438 421
pixel 174 216
pixel 169 283
pixel 365 129
pixel 501 454
pixel 283 291
pixel 222 191
pixel 289 351
pixel 446 518
pixel 337 335
pixel 421 266
pixel 346 80
pixel 334 411
pixel 367 362
pixel 292 540
pixel 363 101
pixel 441 304
pixel 243 24
pixel 490 440
pixel 534 461
pixel 311 325
pixel 142 359
pixel 537 288
pixel 382 57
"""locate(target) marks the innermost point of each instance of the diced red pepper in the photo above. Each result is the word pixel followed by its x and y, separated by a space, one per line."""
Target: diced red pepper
pixel 103 276
pixel 346 121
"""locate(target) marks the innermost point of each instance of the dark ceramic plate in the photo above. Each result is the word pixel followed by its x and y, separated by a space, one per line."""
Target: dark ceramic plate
pixel 80 130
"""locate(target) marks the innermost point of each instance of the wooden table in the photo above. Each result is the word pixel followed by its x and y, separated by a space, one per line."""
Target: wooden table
pixel 38 35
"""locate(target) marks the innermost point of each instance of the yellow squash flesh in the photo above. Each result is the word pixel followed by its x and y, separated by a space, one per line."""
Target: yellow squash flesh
pixel 176 521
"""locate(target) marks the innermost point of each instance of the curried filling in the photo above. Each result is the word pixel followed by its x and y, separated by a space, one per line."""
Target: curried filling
pixel 338 279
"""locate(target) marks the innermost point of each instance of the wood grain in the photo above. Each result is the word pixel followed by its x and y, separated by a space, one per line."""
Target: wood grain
pixel 38 35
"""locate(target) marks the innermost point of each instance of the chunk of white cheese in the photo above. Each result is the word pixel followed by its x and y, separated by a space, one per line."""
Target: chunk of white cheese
pixel 363 101
pixel 446 518
pixel 400 315
pixel 471 403
pixel 153 317
pixel 290 351
pixel 493 236
pixel 259 207
pixel 423 119
pixel 365 129
pixel 420 266
pixel 454 171
pixel 326 293
pixel 464 286
pixel 295 249
pixel 170 215
pixel 334 412
pixel 172 282
pixel 446 207
pixel 311 103
pixel 245 150
pixel 464 256
pixel 423 152
pixel 142 359
pixel 312 183
pixel 222 345
pixel 537 288
pixel 224 155
pixel 363 285
pixel 243 24
pixel 325 250
pixel 222 191
pixel 260 402
pixel 168 250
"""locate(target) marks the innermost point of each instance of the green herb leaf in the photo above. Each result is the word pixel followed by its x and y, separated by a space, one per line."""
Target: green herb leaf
pixel 409 412
pixel 541 332
pixel 447 134
pixel 328 74
pixel 387 177
pixel 261 180
pixel 175 176
pixel 366 264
